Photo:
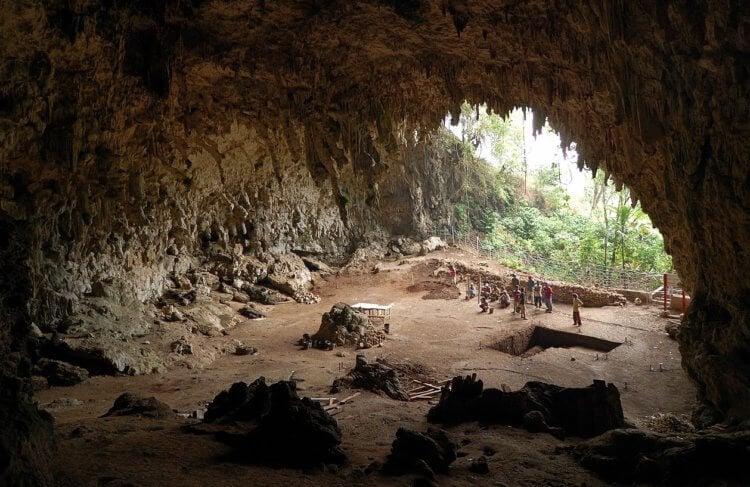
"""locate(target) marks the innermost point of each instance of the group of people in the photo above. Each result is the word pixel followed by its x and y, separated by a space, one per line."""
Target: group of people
pixel 532 291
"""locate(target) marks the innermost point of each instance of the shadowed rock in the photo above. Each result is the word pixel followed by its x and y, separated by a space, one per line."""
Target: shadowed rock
pixel 635 456
pixel 129 404
pixel 277 428
pixel 377 377
pixel 584 412
pixel 410 449
pixel 60 373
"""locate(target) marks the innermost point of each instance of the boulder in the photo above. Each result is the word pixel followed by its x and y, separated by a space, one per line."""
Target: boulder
pixel 241 402
pixel 377 377
pixel 129 404
pixel 60 373
pixel 583 412
pixel 277 428
pixel 316 265
pixel 263 295
pixel 181 346
pixel 251 312
pixel 288 274
pixel 432 244
pixel 672 328
pixel 411 448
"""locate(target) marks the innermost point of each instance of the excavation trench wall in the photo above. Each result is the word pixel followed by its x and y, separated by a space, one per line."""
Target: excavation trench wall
pixel 534 339
pixel 137 137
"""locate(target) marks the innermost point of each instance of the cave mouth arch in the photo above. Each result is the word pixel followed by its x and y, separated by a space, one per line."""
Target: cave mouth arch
pixel 654 93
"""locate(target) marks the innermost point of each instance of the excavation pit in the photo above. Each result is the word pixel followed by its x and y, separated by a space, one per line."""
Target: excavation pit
pixel 536 339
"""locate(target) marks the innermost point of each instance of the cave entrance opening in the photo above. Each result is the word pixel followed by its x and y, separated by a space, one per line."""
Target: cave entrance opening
pixel 518 186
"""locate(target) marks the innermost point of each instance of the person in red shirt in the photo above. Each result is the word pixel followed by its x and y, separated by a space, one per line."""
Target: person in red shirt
pixel 547 294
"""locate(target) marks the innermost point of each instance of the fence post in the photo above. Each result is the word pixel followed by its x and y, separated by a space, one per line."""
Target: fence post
pixel 665 291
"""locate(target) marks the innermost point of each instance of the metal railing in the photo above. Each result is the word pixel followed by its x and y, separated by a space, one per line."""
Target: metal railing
pixel 585 274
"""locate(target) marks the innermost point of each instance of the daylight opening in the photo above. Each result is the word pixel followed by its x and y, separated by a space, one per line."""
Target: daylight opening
pixel 521 198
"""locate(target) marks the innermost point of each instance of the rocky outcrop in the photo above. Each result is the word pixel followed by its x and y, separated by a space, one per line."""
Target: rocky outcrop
pixel 539 407
pixel 630 456
pixel 276 427
pixel 60 373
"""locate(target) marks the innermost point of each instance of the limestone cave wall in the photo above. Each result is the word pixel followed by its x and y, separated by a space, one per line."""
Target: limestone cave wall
pixel 137 136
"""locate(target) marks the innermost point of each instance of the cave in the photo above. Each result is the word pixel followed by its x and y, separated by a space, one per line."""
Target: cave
pixel 138 137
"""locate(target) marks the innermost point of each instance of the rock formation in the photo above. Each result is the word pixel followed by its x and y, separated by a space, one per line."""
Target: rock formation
pixel 271 425
pixel 137 138
pixel 538 407
pixel 344 325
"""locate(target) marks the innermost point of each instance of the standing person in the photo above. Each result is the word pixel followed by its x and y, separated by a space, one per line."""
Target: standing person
pixel 453 274
pixel 529 288
pixel 547 293
pixel 514 282
pixel 516 298
pixel 522 303
pixel 577 303
pixel 538 295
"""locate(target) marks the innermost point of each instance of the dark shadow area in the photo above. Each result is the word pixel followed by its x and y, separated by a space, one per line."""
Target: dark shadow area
pixel 535 339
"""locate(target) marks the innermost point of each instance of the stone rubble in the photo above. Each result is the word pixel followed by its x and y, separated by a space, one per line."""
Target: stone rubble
pixel 344 325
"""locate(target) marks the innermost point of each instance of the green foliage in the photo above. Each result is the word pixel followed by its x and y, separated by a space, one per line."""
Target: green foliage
pixel 489 199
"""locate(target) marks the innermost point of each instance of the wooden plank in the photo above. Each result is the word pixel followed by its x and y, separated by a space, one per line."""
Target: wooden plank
pixel 347 399
pixel 330 408
pixel 321 399
pixel 425 395
pixel 417 389
pixel 426 384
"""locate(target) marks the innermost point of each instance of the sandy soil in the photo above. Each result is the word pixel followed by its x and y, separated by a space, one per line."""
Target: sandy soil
pixel 443 337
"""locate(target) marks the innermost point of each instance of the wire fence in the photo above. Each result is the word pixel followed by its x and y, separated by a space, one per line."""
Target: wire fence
pixel 585 274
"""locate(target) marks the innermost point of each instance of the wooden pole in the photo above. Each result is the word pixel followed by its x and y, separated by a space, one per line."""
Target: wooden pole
pixel 665 291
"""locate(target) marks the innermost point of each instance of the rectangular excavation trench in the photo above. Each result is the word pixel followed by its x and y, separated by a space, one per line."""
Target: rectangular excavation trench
pixel 534 339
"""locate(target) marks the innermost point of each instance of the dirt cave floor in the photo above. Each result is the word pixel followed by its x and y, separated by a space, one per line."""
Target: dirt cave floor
pixel 439 337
